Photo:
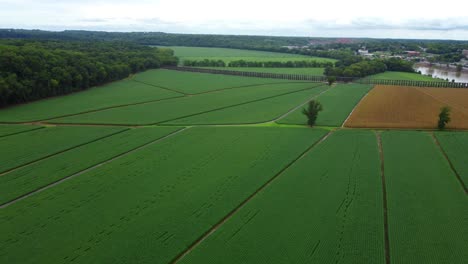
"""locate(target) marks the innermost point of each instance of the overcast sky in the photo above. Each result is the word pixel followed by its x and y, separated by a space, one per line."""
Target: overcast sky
pixel 446 19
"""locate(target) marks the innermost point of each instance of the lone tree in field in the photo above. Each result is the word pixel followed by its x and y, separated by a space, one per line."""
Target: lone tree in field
pixel 331 80
pixel 444 117
pixel 312 111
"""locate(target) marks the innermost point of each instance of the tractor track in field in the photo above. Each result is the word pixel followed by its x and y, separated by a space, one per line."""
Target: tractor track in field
pixel 462 183
pixel 21 132
pixel 226 218
pixel 384 198
pixel 3 173
pixel 2 206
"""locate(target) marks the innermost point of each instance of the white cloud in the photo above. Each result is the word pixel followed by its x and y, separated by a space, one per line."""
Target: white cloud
pixel 338 18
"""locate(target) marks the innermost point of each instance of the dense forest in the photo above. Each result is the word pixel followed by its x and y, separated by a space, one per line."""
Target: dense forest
pixel 30 69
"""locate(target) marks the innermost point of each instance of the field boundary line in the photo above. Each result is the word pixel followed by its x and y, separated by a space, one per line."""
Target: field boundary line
pixel 89 111
pixel 220 90
pixel 462 183
pixel 384 197
pixel 246 86
pixel 160 87
pixel 126 153
pixel 3 173
pixel 226 218
pixel 234 105
pixel 356 106
pixel 21 132
pixel 299 106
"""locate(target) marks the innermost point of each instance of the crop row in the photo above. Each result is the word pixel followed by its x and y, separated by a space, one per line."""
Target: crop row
pixel 326 208
pixel 30 178
pixel 168 110
pixel 427 209
pixel 255 112
pixel 8 130
pixel 111 95
pixel 24 148
pixel 149 206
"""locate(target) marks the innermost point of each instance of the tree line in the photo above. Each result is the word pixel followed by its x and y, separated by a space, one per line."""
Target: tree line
pixel 258 64
pixel 370 67
pixel 31 70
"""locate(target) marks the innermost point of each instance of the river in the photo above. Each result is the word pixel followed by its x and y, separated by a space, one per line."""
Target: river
pixel 443 72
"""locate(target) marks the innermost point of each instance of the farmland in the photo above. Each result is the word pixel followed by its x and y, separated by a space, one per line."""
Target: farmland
pixel 35 176
pixel 392 75
pixel 455 145
pixel 161 203
pixel 7 130
pixel 114 94
pixel 337 212
pixel 434 207
pixel 194 83
pixel 227 55
pixel 409 107
pixel 301 71
pixel 255 112
pixel 167 110
pixel 182 167
pixel 46 142
pixel 337 103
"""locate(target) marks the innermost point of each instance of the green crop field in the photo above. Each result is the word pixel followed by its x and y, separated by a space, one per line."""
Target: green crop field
pixel 114 94
pixel 168 110
pixel 178 167
pixel 318 211
pixel 227 55
pixel 149 86
pixel 455 144
pixel 390 75
pixel 30 178
pixel 337 103
pixel 194 83
pixel 7 130
pixel 256 112
pixel 24 148
pixel 427 209
pixel 149 205
pixel 302 71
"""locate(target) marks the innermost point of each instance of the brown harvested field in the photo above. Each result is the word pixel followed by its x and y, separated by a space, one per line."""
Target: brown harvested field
pixel 410 107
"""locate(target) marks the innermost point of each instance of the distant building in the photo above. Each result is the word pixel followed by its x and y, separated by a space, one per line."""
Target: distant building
pixel 465 53
pixel 363 52
pixel 413 53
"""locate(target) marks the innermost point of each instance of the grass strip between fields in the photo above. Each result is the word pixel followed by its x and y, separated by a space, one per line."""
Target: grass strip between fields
pixel 243 203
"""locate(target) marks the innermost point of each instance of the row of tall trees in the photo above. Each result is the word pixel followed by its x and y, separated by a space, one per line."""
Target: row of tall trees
pixel 281 64
pixel 30 70
pixel 204 63
pixel 258 64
